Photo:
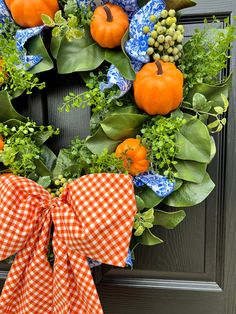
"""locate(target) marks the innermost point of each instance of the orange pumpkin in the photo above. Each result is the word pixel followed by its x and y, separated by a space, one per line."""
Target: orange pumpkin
pixel 27 13
pixel 158 88
pixel 134 156
pixel 109 24
pixel 1 143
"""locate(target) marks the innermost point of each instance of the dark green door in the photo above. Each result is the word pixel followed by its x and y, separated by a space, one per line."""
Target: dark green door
pixel 195 270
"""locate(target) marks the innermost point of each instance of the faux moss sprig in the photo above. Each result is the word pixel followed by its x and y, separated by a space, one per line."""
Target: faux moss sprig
pixel 14 76
pixel 158 135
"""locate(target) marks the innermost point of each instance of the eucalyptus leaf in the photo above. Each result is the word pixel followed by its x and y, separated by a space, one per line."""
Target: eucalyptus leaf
pixel 194 142
pixel 168 220
pixel 7 111
pixel 179 4
pixel 122 126
pixel 212 92
pixel 148 238
pixel 190 194
pixel 99 142
pixel 191 171
pixel 77 55
pixel 200 103
pixel 44 181
pixel 36 47
pixel 41 137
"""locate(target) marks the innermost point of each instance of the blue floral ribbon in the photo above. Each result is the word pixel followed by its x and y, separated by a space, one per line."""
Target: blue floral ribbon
pixel 22 36
pixel 160 185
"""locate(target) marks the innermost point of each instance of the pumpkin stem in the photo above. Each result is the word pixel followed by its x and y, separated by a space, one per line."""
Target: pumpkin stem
pixel 108 12
pixel 159 67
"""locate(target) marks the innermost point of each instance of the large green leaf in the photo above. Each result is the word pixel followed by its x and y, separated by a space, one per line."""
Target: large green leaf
pixel 179 4
pixel 121 126
pixel 148 238
pixel 42 136
pixel 190 194
pixel 63 161
pixel 194 142
pixel 168 220
pixel 190 170
pixel 55 46
pixel 121 61
pixel 212 92
pixel 99 142
pixel 48 157
pixel 41 169
pixel 7 111
pixel 37 47
pixel 82 54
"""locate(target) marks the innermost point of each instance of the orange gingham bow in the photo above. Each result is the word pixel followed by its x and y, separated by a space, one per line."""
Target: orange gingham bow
pixel 92 218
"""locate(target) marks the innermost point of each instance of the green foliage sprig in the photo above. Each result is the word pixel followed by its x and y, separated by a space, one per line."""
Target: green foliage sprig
pixel 21 146
pixel 158 135
pixel 100 101
pixel 206 54
pixel 14 76
pixel 70 22
pixel 204 109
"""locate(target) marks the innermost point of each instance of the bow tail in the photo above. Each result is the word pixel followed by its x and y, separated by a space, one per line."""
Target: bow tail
pixel 28 288
pixel 74 288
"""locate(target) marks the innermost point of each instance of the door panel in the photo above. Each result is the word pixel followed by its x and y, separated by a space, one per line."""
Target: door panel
pixel 194 270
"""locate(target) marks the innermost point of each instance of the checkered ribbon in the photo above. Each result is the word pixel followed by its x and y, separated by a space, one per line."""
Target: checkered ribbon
pixel 93 217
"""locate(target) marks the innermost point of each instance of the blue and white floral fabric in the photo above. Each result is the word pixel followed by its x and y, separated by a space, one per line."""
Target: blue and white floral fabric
pixel 22 36
pixel 136 47
pixel 159 184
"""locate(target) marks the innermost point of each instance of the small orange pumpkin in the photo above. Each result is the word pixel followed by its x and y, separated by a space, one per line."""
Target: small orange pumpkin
pixel 27 13
pixel 1 143
pixel 158 88
pixel 134 156
pixel 109 24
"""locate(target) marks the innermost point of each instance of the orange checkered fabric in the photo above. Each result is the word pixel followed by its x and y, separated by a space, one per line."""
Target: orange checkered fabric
pixel 93 218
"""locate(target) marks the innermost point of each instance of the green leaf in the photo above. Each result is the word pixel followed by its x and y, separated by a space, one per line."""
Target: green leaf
pixel 219 110
pixel 48 157
pixel 149 197
pixel 200 103
pixel 168 220
pixel 44 181
pixel 179 4
pixel 139 202
pixel 213 148
pixel 213 124
pixel 139 231
pixel 7 111
pixel 148 238
pixel 37 47
pixel 99 142
pixel 191 171
pixel 190 194
pixel 82 54
pixel 41 169
pixel 63 161
pixel 55 46
pixel 59 19
pixel 47 20
pixel 121 61
pixel 212 92
pixel 122 126
pixel 41 137
pixel 194 142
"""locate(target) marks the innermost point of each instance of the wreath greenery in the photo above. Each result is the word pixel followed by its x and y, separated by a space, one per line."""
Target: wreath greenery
pixel 177 145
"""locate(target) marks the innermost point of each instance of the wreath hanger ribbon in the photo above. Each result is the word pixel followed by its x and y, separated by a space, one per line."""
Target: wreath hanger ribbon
pixel 93 218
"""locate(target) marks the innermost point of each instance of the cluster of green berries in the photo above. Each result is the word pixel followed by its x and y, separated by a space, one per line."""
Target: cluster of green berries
pixel 165 41
pixel 58 185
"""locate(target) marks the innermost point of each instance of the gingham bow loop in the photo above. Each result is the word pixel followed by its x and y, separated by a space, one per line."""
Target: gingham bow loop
pixel 92 218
